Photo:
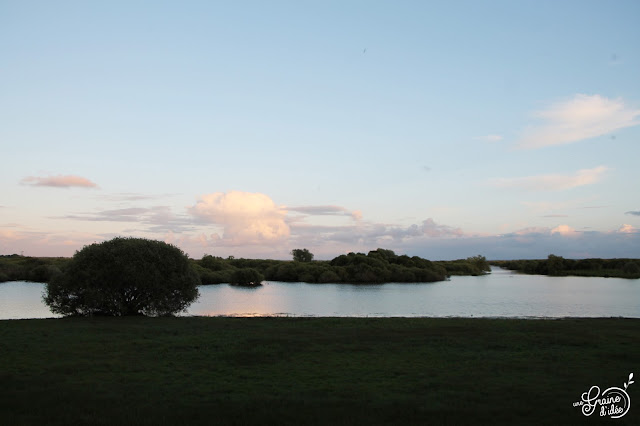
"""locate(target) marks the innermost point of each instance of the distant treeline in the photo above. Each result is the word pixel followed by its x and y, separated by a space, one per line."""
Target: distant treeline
pixel 559 266
pixel 377 266
pixel 38 269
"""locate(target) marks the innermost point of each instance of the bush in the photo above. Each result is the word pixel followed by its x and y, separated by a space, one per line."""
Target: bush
pixel 246 276
pixel 43 273
pixel 631 268
pixel 124 276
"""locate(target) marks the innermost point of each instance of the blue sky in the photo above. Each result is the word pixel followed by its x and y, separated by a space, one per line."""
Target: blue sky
pixel 438 129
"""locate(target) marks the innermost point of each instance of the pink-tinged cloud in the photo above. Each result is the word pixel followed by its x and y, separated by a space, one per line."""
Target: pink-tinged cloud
pixel 552 182
pixel 43 243
pixel 59 181
pixel 627 229
pixel 246 218
pixel 564 230
pixel 581 117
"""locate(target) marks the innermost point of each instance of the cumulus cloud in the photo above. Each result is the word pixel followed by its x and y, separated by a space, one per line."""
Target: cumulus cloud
pixel 59 181
pixel 432 229
pixel 564 230
pixel 552 182
pixel 246 218
pixel 581 117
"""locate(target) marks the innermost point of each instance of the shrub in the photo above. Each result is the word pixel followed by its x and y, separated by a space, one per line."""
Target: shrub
pixel 631 268
pixel 43 273
pixel 124 276
pixel 246 276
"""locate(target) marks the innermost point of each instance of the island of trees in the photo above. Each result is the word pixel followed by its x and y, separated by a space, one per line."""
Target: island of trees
pixel 559 266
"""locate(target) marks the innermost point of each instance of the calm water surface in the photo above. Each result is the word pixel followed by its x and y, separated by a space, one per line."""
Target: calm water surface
pixel 500 294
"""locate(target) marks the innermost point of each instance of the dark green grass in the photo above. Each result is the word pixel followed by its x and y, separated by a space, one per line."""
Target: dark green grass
pixel 212 371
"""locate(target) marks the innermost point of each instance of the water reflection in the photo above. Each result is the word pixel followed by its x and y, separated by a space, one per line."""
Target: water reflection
pixel 501 294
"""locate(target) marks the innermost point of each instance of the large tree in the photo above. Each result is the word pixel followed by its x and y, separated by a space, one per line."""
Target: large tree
pixel 124 276
pixel 302 255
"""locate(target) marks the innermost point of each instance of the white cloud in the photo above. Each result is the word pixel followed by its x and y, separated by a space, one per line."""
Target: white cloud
pixel 579 118
pixel 552 182
pixel 60 181
pixel 247 218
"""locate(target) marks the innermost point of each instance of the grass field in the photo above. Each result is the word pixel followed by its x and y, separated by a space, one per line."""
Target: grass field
pixel 213 371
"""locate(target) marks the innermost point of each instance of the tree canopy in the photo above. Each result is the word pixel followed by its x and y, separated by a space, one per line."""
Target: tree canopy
pixel 302 255
pixel 124 276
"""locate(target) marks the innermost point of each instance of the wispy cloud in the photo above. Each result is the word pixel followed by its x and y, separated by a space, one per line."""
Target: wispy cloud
pixel 372 234
pixel 633 212
pixel 117 215
pixel 548 207
pixel 581 117
pixel 328 210
pixel 132 196
pixel 31 242
pixel 59 181
pixel 152 219
pixel 552 182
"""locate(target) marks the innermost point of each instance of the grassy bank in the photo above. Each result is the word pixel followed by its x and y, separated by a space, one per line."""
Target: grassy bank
pixel 159 371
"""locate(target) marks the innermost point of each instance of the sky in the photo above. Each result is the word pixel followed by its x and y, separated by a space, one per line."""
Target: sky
pixel 509 129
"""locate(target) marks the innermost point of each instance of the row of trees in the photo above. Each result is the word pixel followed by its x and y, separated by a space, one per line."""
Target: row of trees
pixel 559 266
pixel 377 266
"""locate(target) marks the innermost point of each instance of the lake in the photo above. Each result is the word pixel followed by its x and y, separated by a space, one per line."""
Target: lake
pixel 502 293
